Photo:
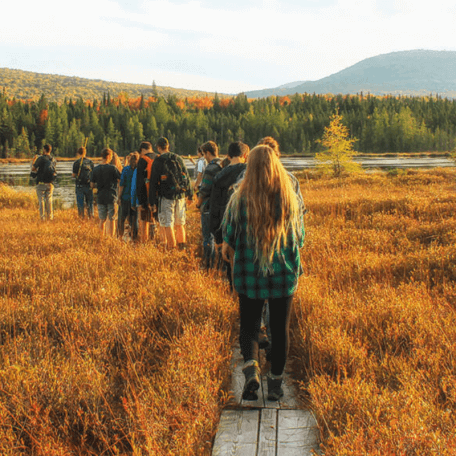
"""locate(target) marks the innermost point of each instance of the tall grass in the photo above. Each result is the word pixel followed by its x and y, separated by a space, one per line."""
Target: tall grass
pixel 106 348
pixel 111 349
pixel 374 341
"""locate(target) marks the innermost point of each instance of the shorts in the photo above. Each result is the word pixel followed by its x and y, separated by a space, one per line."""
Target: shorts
pixel 146 215
pixel 172 212
pixel 107 210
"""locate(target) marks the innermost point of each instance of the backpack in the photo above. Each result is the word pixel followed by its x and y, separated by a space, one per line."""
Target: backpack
pixel 47 171
pixel 175 175
pixel 147 171
pixel 84 173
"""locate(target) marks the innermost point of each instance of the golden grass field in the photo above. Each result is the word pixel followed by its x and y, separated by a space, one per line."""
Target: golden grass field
pixel 109 348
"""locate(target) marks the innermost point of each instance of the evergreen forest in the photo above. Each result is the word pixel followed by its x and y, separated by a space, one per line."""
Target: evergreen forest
pixel 380 124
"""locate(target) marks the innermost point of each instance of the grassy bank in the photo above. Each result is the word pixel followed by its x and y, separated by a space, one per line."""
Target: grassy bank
pixel 105 348
pixel 374 342
pixel 109 349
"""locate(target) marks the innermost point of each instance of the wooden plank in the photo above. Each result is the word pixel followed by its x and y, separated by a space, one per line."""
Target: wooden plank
pixel 237 434
pixel 289 399
pixel 267 441
pixel 297 433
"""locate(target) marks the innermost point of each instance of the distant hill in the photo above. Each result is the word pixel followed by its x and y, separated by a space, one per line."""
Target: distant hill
pixel 414 73
pixel 25 85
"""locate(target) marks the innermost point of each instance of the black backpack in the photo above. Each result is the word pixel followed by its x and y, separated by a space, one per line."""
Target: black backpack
pixel 177 179
pixel 47 172
pixel 84 173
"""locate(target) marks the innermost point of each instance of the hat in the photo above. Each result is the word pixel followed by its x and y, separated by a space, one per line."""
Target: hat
pixel 162 143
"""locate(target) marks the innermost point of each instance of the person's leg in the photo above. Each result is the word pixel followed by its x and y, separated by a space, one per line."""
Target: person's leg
pixel 102 215
pixel 279 311
pixel 166 219
pixel 124 211
pixel 80 201
pixel 113 211
pixel 250 311
pixel 144 224
pixel 208 248
pixel 40 188
pixel 102 225
pixel 180 209
pixel 134 224
pixel 170 238
pixel 181 236
pixel 48 201
pixel 88 192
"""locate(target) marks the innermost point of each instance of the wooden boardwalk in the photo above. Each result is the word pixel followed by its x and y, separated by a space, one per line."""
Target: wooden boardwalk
pixel 262 427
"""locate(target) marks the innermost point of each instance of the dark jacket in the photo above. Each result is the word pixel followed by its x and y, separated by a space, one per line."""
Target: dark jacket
pixel 45 166
pixel 222 189
pixel 212 169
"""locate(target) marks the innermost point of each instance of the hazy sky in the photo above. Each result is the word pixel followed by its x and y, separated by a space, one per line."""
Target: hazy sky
pixel 228 47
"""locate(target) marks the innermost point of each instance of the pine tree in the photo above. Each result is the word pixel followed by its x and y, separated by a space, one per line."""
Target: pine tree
pixel 339 153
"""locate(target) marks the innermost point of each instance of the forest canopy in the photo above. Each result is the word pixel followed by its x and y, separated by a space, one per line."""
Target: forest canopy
pixel 381 124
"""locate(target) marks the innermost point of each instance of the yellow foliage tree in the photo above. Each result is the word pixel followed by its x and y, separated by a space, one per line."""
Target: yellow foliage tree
pixel 339 153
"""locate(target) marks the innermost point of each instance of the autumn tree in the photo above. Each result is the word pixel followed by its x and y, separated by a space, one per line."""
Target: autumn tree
pixel 338 154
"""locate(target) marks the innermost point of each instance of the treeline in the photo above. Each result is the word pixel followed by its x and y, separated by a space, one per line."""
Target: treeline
pixel 381 124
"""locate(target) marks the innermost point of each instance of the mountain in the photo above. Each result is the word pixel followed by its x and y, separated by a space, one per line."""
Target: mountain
pixel 415 73
pixel 27 85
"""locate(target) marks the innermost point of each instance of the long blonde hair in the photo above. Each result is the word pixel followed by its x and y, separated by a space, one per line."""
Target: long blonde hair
pixel 273 212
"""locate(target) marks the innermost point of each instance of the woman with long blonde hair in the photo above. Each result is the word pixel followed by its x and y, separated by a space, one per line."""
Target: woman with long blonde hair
pixel 263 232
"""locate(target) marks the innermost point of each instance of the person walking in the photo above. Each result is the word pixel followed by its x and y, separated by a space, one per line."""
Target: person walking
pixel 105 178
pixel 169 186
pixel 45 170
pixel 82 172
pixel 263 232
pixel 211 154
pixel 146 218
pixel 124 199
pixel 222 189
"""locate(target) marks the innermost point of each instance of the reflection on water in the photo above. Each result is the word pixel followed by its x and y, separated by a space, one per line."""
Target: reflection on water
pixel 17 174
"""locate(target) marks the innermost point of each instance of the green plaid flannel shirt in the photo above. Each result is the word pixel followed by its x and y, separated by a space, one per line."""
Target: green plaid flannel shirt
pixel 248 279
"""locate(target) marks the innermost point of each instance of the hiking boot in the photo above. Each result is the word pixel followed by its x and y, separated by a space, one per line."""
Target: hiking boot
pixel 275 391
pixel 251 371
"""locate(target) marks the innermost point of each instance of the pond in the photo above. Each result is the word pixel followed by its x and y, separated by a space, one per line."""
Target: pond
pixel 17 174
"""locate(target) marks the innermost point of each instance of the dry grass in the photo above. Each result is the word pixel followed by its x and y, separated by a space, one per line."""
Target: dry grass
pixel 374 342
pixel 106 348
pixel 112 349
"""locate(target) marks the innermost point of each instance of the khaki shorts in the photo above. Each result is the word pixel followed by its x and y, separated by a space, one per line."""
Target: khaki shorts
pixel 171 212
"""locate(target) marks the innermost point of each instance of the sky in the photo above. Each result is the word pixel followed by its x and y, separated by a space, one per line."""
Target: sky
pixel 214 46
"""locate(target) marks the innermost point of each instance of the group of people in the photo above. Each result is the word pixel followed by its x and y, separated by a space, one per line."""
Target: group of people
pixel 251 213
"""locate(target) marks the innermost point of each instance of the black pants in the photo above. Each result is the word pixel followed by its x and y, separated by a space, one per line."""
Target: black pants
pixel 279 318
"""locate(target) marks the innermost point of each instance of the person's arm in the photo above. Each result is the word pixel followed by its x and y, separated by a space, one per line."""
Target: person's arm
pixel 93 183
pixel 199 178
pixel 133 190
pixel 36 164
pixel 76 165
pixel 229 238
pixel 227 252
